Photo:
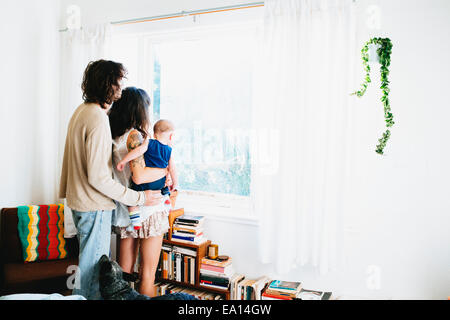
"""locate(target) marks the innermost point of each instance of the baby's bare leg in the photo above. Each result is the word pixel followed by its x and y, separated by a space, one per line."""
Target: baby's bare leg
pixel 135 217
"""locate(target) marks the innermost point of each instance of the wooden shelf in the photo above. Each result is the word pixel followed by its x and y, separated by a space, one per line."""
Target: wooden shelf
pixel 201 252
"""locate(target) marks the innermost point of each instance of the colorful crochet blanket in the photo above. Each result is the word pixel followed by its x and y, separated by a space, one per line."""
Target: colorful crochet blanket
pixel 41 232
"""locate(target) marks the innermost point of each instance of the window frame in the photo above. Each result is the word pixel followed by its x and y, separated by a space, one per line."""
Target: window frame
pixel 219 205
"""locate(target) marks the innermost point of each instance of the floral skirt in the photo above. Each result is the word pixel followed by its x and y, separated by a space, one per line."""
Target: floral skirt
pixel 155 225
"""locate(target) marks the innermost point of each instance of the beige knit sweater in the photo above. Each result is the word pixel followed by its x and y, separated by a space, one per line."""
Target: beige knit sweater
pixel 86 178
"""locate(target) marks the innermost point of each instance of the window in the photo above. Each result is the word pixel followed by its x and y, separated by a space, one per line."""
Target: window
pixel 201 81
pixel 204 87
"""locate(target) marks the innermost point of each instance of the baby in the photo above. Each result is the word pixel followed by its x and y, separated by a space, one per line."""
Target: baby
pixel 157 154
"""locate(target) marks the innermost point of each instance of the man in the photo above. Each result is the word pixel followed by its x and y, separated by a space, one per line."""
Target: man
pixel 86 177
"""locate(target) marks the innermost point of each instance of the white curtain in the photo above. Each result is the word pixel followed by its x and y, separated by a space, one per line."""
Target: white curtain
pixel 300 147
pixel 78 48
pixel 29 98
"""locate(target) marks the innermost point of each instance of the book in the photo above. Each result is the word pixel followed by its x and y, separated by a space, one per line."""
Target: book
pixel 164 288
pixel 186 269
pixel 217 274
pixel 178 268
pixel 172 266
pixel 157 288
pixel 240 289
pixel 250 289
pixel 219 280
pixel 283 288
pixel 226 273
pixel 209 267
pixel 187 218
pixel 266 296
pixel 207 284
pixel 196 241
pixel 188 224
pixel 165 265
pixel 186 227
pixel 285 285
pixel 192 270
pixel 259 285
pixel 186 236
pixel 234 281
pixel 216 262
pixel 313 295
pixel 188 231
pixel 281 293
pixel 249 293
pixel 177 263
pixel 243 286
pixel 185 251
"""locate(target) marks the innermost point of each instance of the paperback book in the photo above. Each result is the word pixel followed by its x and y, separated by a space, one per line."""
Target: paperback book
pixel 187 219
pixel 217 263
pixel 283 288
pixel 313 295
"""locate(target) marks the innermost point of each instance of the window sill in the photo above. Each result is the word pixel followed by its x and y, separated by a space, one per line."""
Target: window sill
pixel 229 218
pixel 225 208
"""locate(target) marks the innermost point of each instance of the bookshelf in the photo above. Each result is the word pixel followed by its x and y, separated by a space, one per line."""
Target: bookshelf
pixel 201 250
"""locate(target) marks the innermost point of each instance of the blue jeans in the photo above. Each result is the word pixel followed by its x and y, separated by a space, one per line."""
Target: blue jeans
pixel 94 237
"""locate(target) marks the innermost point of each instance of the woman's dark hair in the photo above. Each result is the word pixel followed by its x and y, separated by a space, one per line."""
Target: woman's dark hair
pixel 130 111
pixel 100 81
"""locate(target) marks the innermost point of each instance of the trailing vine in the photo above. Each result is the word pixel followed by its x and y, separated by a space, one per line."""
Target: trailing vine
pixel 384 54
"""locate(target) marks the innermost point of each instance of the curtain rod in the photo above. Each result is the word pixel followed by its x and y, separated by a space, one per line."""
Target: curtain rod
pixel 184 14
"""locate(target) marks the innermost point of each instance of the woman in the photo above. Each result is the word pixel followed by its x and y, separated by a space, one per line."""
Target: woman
pixel 130 124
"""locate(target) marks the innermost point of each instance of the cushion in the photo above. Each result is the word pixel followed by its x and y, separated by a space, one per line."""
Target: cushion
pixel 41 232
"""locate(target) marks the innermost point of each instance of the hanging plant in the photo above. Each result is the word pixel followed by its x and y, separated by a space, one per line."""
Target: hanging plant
pixel 384 55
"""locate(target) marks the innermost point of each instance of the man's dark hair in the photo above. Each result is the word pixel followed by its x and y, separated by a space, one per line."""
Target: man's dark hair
pixel 130 112
pixel 100 81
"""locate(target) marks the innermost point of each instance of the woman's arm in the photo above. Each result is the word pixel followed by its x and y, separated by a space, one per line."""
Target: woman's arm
pixel 133 154
pixel 139 172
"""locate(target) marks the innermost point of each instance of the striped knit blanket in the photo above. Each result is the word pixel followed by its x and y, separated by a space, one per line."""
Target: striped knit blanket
pixel 41 232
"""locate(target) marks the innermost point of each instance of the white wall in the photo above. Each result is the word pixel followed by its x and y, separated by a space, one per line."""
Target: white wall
pixel 400 210
pixel 100 11
pixel 399 220
pixel 28 101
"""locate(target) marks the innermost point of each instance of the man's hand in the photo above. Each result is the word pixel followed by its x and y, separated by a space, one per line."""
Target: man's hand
pixel 153 197
pixel 121 165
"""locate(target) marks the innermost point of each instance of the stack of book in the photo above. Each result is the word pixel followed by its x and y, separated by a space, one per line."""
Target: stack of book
pixel 188 229
pixel 234 282
pixel 166 288
pixel 177 263
pixel 248 289
pixel 282 290
pixel 216 274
